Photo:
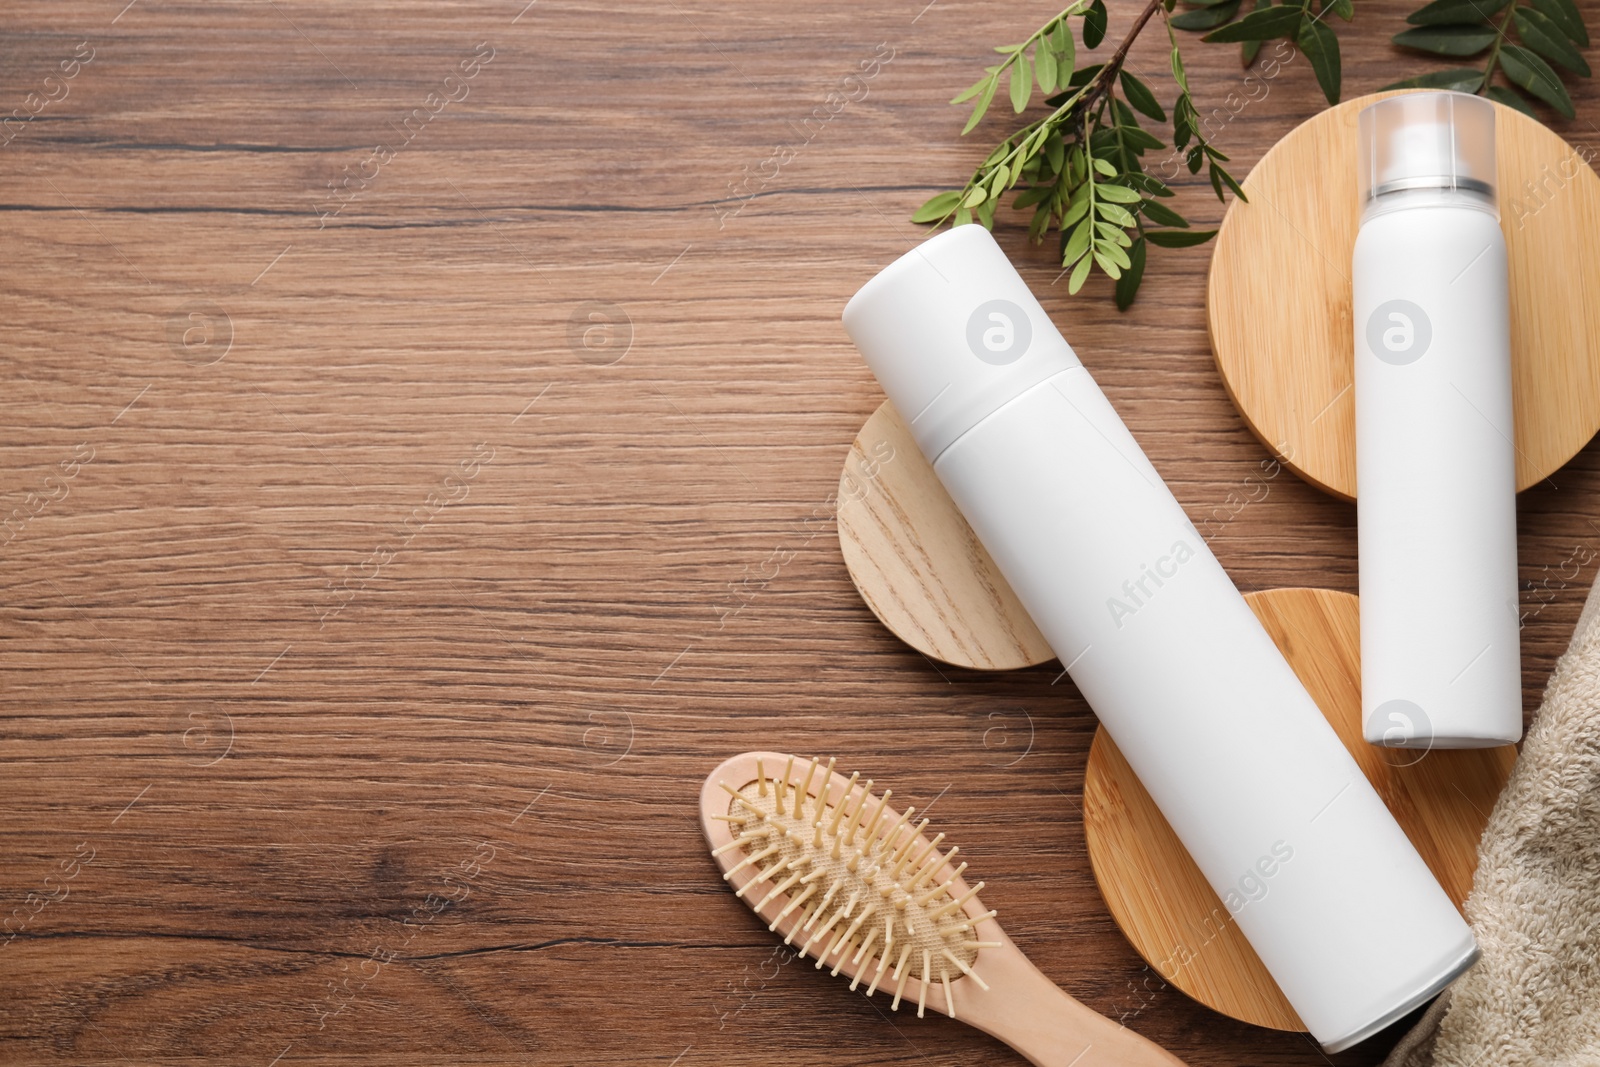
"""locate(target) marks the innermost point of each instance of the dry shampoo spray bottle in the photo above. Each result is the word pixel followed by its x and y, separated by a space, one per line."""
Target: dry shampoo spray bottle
pixel 1308 861
pixel 1435 462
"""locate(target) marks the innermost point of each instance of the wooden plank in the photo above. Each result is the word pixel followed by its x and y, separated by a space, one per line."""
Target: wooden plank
pixel 601 613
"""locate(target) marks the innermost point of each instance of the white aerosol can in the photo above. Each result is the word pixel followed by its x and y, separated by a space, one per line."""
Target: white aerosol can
pixel 1307 860
pixel 1435 459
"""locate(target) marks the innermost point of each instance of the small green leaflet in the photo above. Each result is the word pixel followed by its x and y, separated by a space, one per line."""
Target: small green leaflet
pixel 1140 96
pixel 1321 46
pixel 1454 12
pixel 1534 74
pixel 1448 40
pixel 1179 238
pixel 1263 25
pixel 1461 79
pixel 1542 34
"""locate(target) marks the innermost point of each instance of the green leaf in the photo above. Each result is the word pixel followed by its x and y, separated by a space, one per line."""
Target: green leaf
pixel 1147 183
pixel 1030 197
pixel 1456 12
pixel 1219 174
pixel 1460 79
pixel 1204 18
pixel 1077 210
pixel 938 206
pixel 975 196
pixel 1182 125
pixel 1094 24
pixel 1248 50
pixel 1077 169
pixel 1128 284
pixel 1062 44
pixel 980 107
pixel 985 213
pixel 1044 67
pixel 1542 34
pixel 1177 71
pixel 1077 244
pixel 1263 25
pixel 1526 69
pixel 1115 213
pixel 1107 264
pixel 1501 95
pixel 1104 167
pixel 1179 238
pixel 1021 84
pixel 1116 194
pixel 1140 96
pixel 1079 273
pixel 1140 140
pixel 1113 251
pixel 1039 223
pixel 972 90
pixel 1082 75
pixel 1114 233
pixel 1158 212
pixel 1055 153
pixel 1321 46
pixel 1564 13
pixel 1448 40
pixel 1345 9
pixel 998 179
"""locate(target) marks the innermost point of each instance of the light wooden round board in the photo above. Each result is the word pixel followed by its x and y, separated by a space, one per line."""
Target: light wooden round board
pixel 1278 298
pixel 923 573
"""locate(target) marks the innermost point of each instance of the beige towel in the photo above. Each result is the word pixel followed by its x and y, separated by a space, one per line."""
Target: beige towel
pixel 1534 996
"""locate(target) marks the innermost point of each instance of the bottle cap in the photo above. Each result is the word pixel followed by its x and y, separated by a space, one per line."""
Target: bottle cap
pixel 1427 140
pixel 952 333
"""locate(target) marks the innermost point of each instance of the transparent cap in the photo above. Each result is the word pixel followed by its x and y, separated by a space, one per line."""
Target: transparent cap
pixel 1426 140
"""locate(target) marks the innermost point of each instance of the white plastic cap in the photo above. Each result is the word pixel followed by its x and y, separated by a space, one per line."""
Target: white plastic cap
pixel 1427 140
pixel 952 333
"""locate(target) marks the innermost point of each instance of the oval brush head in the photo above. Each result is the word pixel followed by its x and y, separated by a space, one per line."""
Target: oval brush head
pixel 850 882
pixel 861 889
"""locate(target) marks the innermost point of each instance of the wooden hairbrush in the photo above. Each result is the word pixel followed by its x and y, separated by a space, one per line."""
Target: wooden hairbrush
pixel 853 884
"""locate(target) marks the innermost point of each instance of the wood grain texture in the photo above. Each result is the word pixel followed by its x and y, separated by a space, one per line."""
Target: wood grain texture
pixel 1278 301
pixel 1159 897
pixel 321 768
pixel 916 562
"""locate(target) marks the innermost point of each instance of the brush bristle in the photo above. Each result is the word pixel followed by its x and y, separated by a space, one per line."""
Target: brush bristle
pixel 862 884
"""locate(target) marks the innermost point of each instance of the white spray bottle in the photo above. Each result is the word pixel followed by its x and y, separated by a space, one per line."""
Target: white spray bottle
pixel 1435 459
pixel 1318 875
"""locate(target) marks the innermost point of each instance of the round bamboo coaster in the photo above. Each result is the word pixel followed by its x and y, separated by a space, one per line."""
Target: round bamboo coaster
pixel 1278 299
pixel 921 570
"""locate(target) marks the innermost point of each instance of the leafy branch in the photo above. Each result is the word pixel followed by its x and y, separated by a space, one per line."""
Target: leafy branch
pixel 1081 166
pixel 1547 32
pixel 1301 21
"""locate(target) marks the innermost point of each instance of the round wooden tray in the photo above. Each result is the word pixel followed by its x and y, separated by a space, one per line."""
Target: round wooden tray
pixel 1278 299
pixel 921 570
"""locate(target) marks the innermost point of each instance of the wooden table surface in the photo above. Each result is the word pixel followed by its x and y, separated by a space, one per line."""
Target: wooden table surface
pixel 398 537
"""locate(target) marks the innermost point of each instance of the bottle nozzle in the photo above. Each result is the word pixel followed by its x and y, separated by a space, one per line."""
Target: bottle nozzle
pixel 1427 140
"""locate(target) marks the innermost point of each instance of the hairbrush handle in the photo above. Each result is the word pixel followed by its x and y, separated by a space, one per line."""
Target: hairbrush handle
pixel 1047 1025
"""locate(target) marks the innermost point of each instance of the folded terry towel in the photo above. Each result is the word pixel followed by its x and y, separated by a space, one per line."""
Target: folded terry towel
pixel 1533 998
